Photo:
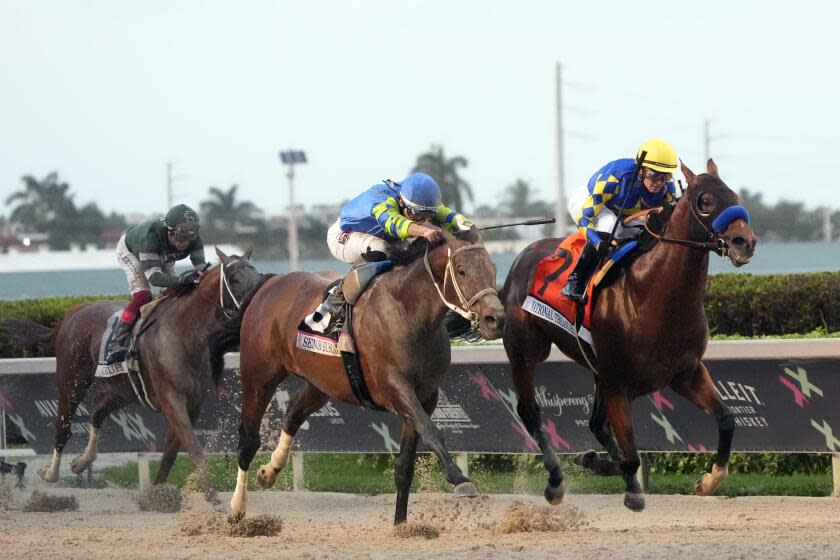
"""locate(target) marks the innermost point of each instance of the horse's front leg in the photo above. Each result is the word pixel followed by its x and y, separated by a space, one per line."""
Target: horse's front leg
pixel 619 414
pixel 525 349
pixel 697 387
pixel 408 407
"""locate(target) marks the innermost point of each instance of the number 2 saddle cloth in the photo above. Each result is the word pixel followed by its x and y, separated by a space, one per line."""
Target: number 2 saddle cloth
pixel 544 298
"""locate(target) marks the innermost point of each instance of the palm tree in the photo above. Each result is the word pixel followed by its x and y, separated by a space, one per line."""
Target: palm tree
pixel 224 214
pixel 518 200
pixel 445 172
pixel 41 203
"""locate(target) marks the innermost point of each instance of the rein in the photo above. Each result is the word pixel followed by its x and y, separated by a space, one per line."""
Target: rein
pixel 224 285
pixel 714 244
pixel 465 309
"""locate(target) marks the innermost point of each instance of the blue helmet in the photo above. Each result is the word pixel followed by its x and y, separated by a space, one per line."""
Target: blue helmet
pixel 420 193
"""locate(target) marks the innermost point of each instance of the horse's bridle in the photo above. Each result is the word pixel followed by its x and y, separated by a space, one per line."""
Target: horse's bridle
pixel 224 286
pixel 715 242
pixel 465 309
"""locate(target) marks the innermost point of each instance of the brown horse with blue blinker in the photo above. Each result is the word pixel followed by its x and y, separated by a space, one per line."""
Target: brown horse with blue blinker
pixel 649 331
pixel 403 348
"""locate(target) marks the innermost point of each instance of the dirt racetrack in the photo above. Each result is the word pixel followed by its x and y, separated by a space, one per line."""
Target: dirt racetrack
pixel 108 524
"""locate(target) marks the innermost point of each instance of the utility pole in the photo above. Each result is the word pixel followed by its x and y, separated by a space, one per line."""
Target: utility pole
pixel 169 180
pixel 707 139
pixel 560 211
pixel 290 158
pixel 827 224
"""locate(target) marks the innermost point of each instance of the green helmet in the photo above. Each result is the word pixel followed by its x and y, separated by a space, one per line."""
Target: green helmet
pixel 183 220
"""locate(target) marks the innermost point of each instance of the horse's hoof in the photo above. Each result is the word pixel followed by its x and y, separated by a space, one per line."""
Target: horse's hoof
pixel 465 490
pixel 266 477
pixel 634 502
pixel 78 465
pixel 44 473
pixel 554 494
pixel 235 518
pixel 587 459
pixel 701 487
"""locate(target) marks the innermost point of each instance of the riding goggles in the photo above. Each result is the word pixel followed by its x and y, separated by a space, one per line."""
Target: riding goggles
pixel 185 231
pixel 657 176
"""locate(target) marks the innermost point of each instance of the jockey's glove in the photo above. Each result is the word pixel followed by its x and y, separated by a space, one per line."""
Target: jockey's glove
pixel 461 222
pixel 188 277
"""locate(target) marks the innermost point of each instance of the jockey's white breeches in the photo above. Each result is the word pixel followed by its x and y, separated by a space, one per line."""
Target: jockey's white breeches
pixel 604 221
pixel 130 264
pixel 349 246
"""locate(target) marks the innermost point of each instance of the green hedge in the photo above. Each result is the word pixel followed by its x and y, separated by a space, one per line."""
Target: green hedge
pixel 46 311
pixel 736 304
pixel 773 305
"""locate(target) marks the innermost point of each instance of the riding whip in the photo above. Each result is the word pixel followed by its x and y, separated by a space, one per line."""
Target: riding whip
pixel 536 222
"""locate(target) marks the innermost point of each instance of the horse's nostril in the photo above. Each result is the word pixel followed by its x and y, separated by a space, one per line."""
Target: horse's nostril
pixel 738 241
pixel 490 320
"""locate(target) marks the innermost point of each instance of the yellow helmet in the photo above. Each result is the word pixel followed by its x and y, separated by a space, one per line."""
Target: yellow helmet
pixel 661 156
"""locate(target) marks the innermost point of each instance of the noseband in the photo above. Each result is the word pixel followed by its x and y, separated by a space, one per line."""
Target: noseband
pixel 715 243
pixel 465 308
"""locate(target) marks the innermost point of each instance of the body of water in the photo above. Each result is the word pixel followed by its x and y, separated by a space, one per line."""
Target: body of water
pixel 770 258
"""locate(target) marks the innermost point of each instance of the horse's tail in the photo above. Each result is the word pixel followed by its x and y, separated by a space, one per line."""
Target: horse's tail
pixel 226 337
pixel 30 339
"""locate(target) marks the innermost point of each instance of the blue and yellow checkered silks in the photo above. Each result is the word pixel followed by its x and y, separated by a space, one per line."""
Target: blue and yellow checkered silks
pixel 612 187
pixel 377 212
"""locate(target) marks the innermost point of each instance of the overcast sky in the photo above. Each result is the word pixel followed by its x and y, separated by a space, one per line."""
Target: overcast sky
pixel 106 92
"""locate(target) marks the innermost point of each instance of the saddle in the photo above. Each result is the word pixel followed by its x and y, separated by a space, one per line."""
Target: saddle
pixel 328 331
pixel 131 365
pixel 546 301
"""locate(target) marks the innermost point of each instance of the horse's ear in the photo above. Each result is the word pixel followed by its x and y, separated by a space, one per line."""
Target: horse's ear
pixel 712 168
pixel 247 255
pixel 222 257
pixel 690 177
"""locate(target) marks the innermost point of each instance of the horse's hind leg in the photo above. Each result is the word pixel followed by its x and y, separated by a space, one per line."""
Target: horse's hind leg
pixel 256 394
pixel 526 347
pixel 697 387
pixel 174 407
pixel 306 401
pixel 602 431
pixel 104 403
pixel 619 415
pixel 170 453
pixel 71 391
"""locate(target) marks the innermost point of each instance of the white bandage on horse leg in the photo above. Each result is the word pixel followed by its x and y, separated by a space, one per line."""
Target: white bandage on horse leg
pixel 280 456
pixel 239 500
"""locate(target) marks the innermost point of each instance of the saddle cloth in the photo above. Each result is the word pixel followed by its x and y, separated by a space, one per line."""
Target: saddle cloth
pixel 319 331
pixel 544 298
pixel 131 365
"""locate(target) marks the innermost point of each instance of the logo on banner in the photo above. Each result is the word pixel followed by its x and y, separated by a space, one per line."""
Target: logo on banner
pixel 802 393
pixel 133 426
pixel 329 410
pixel 451 416
pixel 390 443
pixel 742 400
pixel 553 402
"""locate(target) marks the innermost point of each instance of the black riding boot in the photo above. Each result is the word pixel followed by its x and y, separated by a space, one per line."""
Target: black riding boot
pixel 118 343
pixel 575 287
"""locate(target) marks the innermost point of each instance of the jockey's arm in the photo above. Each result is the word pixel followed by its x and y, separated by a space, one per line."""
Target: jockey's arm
pixel 393 223
pixel 585 220
pixel 153 270
pixel 451 220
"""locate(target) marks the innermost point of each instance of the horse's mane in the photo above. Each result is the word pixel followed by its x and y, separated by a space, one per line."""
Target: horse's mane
pixel 226 337
pixel 417 248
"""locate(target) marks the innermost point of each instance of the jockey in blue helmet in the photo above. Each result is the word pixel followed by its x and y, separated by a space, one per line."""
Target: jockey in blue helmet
pixel 389 213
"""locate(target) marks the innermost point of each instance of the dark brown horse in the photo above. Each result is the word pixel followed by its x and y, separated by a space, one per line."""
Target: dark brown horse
pixel 649 331
pixel 173 355
pixel 403 347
